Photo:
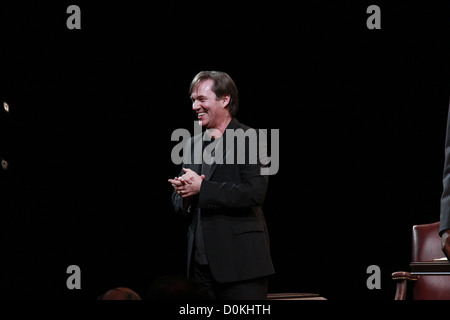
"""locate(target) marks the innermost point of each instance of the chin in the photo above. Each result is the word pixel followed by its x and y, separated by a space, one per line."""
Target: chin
pixel 204 123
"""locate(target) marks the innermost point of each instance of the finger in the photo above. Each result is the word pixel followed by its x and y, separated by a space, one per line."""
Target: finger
pixel 184 177
pixel 181 179
pixel 175 182
pixel 187 179
pixel 190 173
pixel 179 188
pixel 203 177
pixel 184 193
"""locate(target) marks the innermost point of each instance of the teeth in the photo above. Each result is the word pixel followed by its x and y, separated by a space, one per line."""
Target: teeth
pixel 201 114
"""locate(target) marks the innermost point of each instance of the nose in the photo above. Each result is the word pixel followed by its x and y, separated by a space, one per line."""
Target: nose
pixel 195 105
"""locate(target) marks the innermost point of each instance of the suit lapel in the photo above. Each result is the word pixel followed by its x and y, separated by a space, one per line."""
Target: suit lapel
pixel 211 171
pixel 207 169
pixel 234 124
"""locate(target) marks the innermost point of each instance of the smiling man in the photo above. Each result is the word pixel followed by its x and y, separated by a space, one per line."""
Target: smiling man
pixel 228 246
pixel 214 110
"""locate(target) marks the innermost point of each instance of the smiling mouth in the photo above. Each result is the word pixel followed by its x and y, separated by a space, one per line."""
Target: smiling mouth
pixel 201 114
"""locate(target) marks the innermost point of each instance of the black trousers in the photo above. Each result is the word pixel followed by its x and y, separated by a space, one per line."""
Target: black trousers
pixel 254 289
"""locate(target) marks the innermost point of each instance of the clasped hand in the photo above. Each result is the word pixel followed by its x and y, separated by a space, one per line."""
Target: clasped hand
pixel 188 184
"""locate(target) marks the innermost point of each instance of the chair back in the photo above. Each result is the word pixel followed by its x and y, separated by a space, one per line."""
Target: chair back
pixel 426 246
pixel 426 242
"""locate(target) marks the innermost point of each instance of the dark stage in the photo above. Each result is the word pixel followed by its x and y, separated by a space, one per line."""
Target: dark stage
pixel 361 115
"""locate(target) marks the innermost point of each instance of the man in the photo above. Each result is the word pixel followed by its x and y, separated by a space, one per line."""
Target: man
pixel 228 246
pixel 444 226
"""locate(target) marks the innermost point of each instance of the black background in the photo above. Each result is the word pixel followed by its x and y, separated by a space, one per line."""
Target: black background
pixel 361 113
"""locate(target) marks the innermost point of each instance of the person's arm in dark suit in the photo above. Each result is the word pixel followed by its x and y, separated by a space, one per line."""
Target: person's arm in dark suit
pixel 444 228
pixel 250 192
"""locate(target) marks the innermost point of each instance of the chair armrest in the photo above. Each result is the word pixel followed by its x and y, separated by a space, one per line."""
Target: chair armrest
pixel 402 278
pixel 403 275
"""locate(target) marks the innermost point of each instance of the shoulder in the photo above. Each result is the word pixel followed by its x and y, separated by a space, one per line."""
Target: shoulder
pixel 235 124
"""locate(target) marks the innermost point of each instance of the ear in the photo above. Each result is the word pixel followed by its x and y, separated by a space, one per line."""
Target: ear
pixel 226 99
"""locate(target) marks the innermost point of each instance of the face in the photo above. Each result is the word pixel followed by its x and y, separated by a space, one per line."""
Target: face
pixel 211 113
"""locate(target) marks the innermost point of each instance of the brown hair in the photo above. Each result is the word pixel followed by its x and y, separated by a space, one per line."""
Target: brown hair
pixel 223 85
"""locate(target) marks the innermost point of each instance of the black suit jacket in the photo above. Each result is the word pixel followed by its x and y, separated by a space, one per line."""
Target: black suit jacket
pixel 233 224
pixel 445 198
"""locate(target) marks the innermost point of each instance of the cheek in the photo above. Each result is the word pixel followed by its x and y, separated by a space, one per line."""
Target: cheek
pixel 208 109
pixel 213 108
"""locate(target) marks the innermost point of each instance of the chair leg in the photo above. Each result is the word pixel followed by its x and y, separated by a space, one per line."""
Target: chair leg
pixel 400 293
pixel 402 279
